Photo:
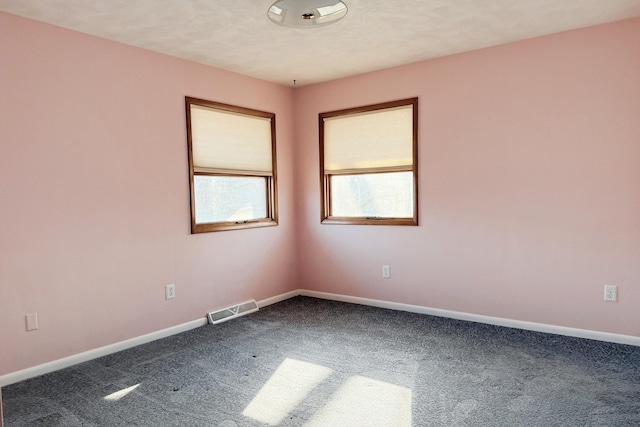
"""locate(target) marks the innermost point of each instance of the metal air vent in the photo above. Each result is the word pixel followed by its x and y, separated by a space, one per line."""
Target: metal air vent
pixel 228 313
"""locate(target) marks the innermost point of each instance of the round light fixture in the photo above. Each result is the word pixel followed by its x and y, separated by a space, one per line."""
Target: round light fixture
pixel 306 13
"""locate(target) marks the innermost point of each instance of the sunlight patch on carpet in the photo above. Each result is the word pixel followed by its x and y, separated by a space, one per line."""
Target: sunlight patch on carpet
pixel 121 393
pixel 288 386
pixel 366 402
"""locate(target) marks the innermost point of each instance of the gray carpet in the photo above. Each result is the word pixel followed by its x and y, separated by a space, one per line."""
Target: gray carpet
pixel 312 362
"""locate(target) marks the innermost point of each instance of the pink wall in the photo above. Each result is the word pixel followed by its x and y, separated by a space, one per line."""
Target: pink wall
pixel 528 189
pixel 529 184
pixel 95 197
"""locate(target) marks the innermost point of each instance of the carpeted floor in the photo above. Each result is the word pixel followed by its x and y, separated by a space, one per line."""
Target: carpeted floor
pixel 311 362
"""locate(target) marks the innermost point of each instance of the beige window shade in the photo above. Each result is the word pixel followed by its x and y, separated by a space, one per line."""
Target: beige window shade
pixel 225 141
pixel 376 139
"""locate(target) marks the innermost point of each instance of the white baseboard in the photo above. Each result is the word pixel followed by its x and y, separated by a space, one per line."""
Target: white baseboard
pixel 278 298
pixel 498 321
pixel 75 359
pixel 66 362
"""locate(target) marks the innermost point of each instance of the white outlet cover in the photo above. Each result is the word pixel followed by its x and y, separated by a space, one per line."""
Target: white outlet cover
pixel 32 321
pixel 170 292
pixel 610 293
pixel 386 271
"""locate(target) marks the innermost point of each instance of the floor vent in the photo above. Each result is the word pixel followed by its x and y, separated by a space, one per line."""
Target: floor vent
pixel 228 313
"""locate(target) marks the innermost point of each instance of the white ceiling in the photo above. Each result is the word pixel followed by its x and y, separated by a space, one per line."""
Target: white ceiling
pixel 236 35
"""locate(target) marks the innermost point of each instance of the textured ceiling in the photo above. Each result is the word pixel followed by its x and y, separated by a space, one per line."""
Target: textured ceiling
pixel 236 35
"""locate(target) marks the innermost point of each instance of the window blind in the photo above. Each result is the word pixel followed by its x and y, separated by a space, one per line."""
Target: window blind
pixel 229 142
pixel 375 139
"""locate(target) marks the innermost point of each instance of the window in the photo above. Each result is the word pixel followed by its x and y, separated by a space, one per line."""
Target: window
pixel 232 166
pixel 368 164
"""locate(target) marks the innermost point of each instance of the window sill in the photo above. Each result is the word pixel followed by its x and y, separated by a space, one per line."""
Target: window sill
pixel 370 221
pixel 226 226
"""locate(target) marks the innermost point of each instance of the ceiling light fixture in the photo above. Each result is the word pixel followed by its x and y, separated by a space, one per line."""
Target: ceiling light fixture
pixel 306 13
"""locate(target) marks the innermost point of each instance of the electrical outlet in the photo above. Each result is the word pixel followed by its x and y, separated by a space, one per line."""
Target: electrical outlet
pixel 386 272
pixel 169 292
pixel 610 293
pixel 32 321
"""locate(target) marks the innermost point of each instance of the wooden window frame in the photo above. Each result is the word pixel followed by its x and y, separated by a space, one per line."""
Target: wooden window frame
pixel 325 178
pixel 271 187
